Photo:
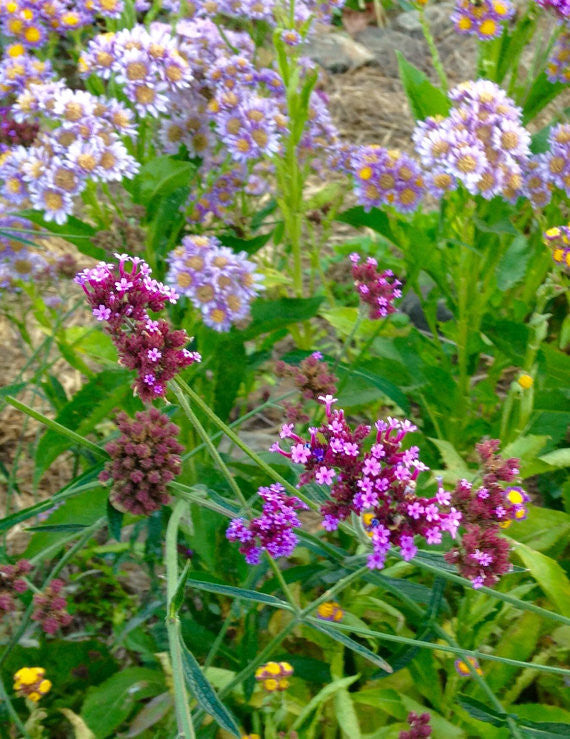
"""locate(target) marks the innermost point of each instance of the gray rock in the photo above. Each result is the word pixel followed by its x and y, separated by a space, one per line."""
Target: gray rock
pixel 383 43
pixel 437 17
pixel 338 52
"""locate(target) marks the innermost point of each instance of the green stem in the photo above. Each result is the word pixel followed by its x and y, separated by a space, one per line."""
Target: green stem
pixel 242 445
pixel 77 438
pixel 181 698
pixel 522 605
pixel 441 647
pixel 436 59
pixel 12 711
pixel 284 587
pixel 202 433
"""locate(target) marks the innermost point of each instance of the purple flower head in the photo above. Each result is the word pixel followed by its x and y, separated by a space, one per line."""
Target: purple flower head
pixel 273 530
pixel 378 290
pixel 484 19
pixel 50 608
pixel 386 177
pixel 12 583
pixel 144 459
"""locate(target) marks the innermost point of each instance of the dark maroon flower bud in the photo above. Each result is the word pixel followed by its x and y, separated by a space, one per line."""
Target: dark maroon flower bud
pixel 51 608
pixel 12 583
pixel 140 475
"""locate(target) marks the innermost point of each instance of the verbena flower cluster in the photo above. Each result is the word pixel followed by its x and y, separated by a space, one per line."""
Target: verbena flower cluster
pixel 219 282
pixel 483 18
pixel 144 459
pixel 50 608
pixel 32 21
pixel 377 482
pixel 482 555
pixel 31 683
pixel 557 239
pixel 121 296
pixel 12 584
pixel 312 377
pixel 482 144
pixel 80 142
pixel 419 726
pixel 377 290
pixel 273 530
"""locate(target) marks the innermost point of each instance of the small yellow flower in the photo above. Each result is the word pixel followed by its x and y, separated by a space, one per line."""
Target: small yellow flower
pixel 30 682
pixel 271 684
pixel 330 611
pixel 525 381
pixel 274 675
pixel 463 668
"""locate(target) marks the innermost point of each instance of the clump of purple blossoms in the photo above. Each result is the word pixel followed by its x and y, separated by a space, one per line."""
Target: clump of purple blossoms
pixel 144 459
pixel 377 482
pixel 419 726
pixel 50 608
pixel 377 290
pixel 220 283
pixel 121 296
pixel 12 583
pixel 146 62
pixel 273 530
pixel 482 555
pixel 385 177
pixel 78 142
pixel 556 162
pixel 17 260
pixel 482 144
pixel 483 18
pixel 18 73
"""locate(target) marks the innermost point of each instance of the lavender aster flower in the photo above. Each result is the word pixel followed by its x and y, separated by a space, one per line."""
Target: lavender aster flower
pixel 483 19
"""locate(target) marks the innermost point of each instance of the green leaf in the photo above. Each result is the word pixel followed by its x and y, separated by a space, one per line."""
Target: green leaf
pixel 453 461
pixel 205 693
pixel 153 712
pixel 73 230
pixel 161 177
pixel 544 729
pixel 480 711
pixel 549 575
pixel 178 597
pixel 250 246
pixel 541 93
pixel 68 527
pixel 424 98
pixel 374 219
pixel 512 267
pixel 13 389
pixel 323 695
pixel 88 407
pixel 270 315
pixel 351 644
pixel 232 592
pixel 109 704
pixel 557 458
pixel 346 714
pixel 385 386
pixel 114 521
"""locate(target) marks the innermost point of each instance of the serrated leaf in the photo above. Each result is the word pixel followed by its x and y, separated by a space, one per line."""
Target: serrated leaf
pixel 424 98
pixel 205 693
pixel 512 267
pixel 351 644
pixel 480 711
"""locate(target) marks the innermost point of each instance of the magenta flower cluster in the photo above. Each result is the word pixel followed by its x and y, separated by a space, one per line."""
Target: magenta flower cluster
pixel 219 282
pixel 12 583
pixel 482 144
pixel 376 481
pixel 419 726
pixel 377 290
pixel 50 608
pixel 482 555
pixel 273 530
pixel 144 459
pixel 121 296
